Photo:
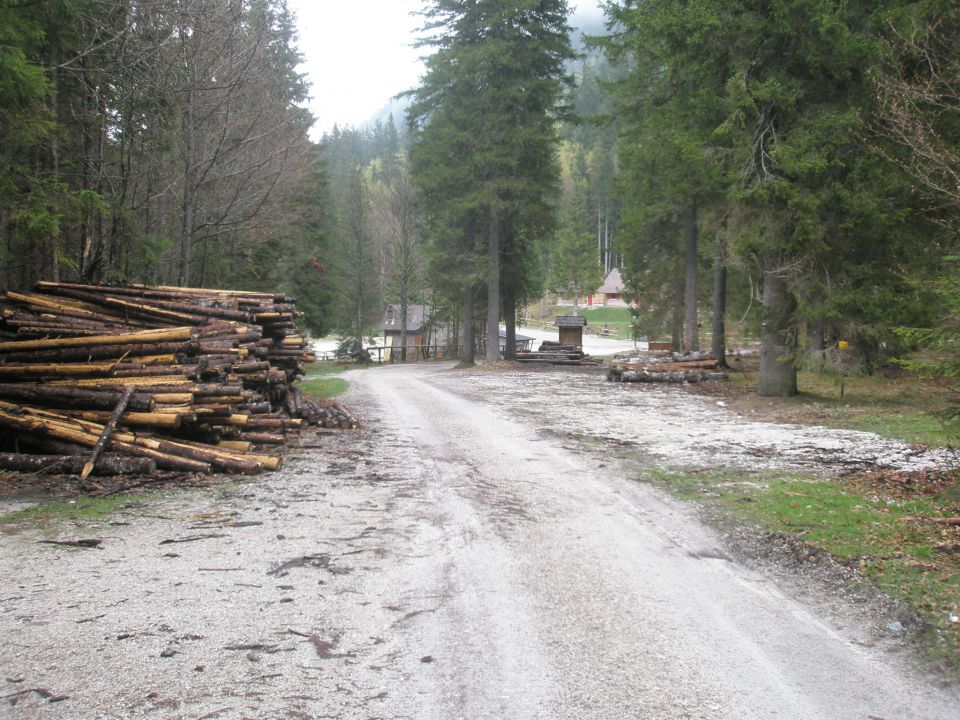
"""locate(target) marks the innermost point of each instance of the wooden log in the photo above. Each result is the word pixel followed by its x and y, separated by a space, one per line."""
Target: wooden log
pixel 167 421
pixel 221 459
pixel 101 352
pixel 945 521
pixel 72 464
pixel 15 318
pixel 52 446
pixel 250 367
pixel 60 332
pixel 70 308
pixel 240 445
pixel 552 362
pixel 92 398
pixel 14 370
pixel 174 291
pixel 668 366
pixel 134 309
pixel 107 432
pixel 263 438
pixel 172 398
pixel 128 369
pixel 205 311
pixel 47 427
pixel 148 336
pixel 155 383
pixel 192 452
pixel 643 376
pixel 260 423
pixel 268 462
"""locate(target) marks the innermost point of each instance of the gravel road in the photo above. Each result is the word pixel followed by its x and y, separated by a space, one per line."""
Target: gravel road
pixel 457 559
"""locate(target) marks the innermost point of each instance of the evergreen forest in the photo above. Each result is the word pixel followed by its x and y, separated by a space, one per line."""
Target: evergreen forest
pixel 786 172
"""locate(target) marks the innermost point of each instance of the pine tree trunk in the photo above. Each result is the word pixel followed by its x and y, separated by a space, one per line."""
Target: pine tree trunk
pixel 403 329
pixel 188 204
pixel 817 339
pixel 719 340
pixel 469 338
pixel 54 167
pixel 818 335
pixel 676 336
pixel 691 334
pixel 778 370
pixel 510 320
pixel 493 286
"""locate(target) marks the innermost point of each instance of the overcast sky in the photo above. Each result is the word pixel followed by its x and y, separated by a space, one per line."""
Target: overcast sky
pixel 358 54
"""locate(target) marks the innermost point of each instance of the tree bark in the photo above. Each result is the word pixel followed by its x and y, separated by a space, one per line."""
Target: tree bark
pixel 54 165
pixel 71 464
pixel 691 334
pixel 469 332
pixel 676 336
pixel 719 340
pixel 817 335
pixel 510 320
pixel 188 203
pixel 493 286
pixel 778 370
pixel 403 329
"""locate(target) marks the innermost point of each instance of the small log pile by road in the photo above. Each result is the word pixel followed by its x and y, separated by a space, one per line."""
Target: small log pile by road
pixel 128 379
pixel 554 353
pixel 672 368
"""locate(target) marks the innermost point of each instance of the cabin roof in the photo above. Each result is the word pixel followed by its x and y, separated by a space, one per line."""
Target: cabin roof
pixel 612 284
pixel 416 318
pixel 570 321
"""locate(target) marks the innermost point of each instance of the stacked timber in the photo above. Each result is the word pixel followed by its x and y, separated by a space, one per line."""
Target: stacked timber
pixel 671 368
pixel 555 353
pixel 131 378
pixel 328 415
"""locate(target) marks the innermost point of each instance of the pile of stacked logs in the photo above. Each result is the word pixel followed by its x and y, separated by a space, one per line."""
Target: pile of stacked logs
pixel 554 353
pixel 133 378
pixel 671 368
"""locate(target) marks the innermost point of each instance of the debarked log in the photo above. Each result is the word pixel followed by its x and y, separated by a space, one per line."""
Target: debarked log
pixel 143 336
pixel 49 427
pixel 107 431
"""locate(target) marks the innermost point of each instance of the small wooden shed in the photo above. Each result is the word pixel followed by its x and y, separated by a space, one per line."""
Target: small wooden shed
pixel 571 329
pixel 524 342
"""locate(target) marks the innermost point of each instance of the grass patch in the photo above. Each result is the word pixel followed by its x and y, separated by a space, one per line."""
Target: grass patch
pixel 889 536
pixel 323 388
pixel 58 511
pixel 607 314
pixel 616 321
pixel 323 382
pixel 900 408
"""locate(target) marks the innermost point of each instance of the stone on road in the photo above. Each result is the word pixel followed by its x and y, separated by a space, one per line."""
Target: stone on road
pixel 450 561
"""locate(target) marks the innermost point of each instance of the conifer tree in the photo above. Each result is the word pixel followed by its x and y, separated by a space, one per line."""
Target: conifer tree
pixel 484 135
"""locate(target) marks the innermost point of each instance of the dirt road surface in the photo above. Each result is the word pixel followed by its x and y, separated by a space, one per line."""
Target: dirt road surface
pixel 460 558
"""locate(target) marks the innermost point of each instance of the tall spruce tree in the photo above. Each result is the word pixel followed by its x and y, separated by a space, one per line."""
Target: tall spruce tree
pixel 771 97
pixel 669 104
pixel 484 135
